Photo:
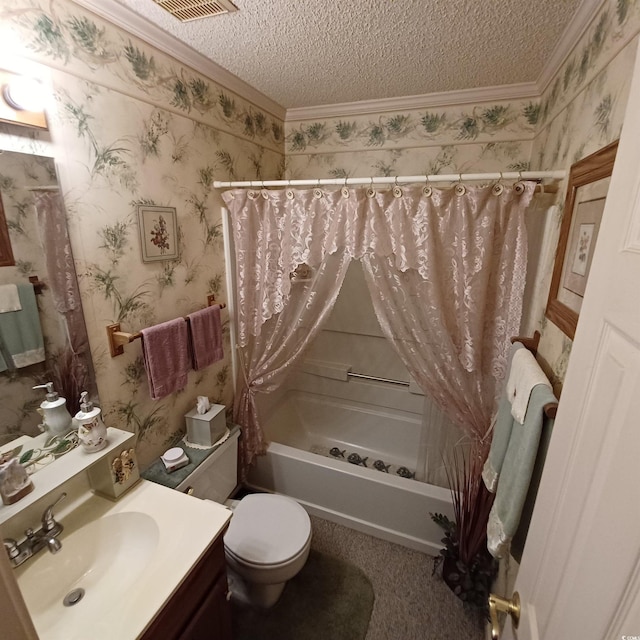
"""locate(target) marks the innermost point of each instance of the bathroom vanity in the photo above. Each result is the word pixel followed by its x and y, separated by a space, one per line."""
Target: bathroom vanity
pixel 149 565
pixel 200 607
pixel 134 560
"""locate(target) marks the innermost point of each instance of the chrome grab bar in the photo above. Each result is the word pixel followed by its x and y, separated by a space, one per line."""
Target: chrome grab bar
pixel 363 376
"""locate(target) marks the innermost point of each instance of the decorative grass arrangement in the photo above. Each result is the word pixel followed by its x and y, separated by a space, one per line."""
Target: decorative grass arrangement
pixel 467 566
pixel 70 378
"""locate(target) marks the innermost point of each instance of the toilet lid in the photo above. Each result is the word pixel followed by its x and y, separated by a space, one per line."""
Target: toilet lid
pixel 267 529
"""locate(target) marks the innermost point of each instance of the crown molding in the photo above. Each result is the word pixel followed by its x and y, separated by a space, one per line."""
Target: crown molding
pixel 135 24
pixel 139 26
pixel 577 27
pixel 520 91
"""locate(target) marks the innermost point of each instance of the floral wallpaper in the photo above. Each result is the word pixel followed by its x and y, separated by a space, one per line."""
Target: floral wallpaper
pixel 132 126
pixel 582 111
pixel 447 140
pixel 65 36
pixel 448 158
pixel 447 125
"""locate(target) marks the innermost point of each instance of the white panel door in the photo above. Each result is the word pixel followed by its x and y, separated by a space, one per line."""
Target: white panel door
pixel 580 572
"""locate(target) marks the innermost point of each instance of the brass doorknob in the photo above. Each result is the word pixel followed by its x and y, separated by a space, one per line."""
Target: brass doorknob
pixel 511 607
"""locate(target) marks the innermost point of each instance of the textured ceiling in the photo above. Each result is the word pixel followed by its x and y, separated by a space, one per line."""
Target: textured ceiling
pixel 312 52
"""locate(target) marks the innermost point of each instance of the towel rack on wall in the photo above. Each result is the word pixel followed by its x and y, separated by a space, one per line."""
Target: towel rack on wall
pixel 38 286
pixel 117 339
pixel 550 409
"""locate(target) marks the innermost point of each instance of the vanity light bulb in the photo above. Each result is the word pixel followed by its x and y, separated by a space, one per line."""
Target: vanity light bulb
pixel 24 94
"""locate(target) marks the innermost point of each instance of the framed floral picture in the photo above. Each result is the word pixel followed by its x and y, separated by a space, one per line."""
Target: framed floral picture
pixel 584 204
pixel 158 233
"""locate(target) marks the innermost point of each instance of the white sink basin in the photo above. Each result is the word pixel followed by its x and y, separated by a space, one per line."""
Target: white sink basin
pixel 104 558
pixel 128 556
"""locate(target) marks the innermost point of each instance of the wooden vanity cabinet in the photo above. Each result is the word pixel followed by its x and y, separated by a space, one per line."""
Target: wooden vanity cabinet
pixel 199 609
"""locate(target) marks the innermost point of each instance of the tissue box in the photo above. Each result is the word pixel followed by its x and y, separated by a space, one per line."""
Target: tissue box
pixel 207 428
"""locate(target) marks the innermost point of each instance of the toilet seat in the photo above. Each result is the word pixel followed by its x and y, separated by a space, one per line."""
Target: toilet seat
pixel 304 552
pixel 267 530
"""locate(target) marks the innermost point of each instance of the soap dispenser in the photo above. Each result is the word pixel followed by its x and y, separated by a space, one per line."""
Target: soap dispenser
pixel 53 409
pixel 92 431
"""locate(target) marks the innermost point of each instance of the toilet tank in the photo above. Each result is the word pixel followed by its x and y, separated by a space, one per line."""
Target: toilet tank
pixel 217 476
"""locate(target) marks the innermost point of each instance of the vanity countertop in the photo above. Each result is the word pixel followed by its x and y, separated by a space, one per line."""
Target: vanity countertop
pixel 186 526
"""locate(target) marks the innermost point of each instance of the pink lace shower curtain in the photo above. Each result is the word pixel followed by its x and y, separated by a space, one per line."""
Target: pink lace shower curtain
pixel 446 274
pixel 289 273
pixel 451 315
pixel 62 279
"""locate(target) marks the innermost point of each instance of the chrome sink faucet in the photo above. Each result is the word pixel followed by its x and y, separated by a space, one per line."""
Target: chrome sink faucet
pixel 47 536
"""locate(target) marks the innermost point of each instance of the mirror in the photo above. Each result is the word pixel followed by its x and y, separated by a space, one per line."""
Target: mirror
pixel 36 223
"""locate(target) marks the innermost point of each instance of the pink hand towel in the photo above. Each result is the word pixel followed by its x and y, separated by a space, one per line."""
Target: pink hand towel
pixel 206 336
pixel 165 348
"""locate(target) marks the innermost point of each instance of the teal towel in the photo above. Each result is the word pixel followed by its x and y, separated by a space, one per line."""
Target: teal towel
pixel 501 433
pixel 500 441
pixel 515 475
pixel 21 333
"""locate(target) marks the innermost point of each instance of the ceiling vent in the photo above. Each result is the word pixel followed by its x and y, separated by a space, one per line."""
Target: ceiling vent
pixel 187 10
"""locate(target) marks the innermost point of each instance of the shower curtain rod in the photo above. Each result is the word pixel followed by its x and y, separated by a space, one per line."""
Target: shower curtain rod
pixel 381 180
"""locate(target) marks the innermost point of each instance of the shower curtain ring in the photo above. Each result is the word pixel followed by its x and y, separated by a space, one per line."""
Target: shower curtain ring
pixel 426 190
pixel 498 187
pixel 371 191
pixel 397 191
pixel 518 187
pixel 460 189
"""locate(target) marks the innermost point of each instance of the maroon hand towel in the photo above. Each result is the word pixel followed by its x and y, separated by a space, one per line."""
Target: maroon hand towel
pixel 165 348
pixel 206 336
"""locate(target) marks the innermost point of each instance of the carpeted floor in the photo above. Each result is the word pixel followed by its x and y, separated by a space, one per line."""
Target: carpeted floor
pixel 330 599
pixel 410 603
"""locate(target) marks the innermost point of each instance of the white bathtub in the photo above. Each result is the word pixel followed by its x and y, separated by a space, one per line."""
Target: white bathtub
pixel 380 503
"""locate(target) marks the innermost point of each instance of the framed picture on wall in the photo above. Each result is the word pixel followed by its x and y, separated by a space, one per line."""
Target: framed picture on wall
pixel 584 204
pixel 158 233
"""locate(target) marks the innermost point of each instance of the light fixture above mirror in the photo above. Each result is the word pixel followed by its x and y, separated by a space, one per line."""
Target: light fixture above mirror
pixel 22 100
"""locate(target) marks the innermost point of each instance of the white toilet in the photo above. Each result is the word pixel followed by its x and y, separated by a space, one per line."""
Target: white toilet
pixel 267 543
pixel 269 536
